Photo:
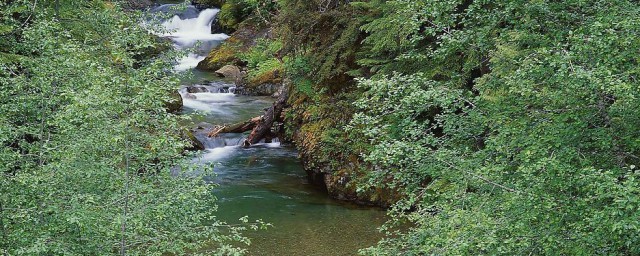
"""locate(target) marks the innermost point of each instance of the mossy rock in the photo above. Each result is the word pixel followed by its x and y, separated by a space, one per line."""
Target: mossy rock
pixel 223 55
pixel 229 51
pixel 229 17
pixel 271 77
pixel 174 105
pixel 195 143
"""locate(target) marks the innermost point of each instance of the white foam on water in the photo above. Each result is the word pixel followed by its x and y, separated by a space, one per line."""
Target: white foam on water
pixel 214 97
pixel 187 33
pixel 188 62
pixel 215 154
pixel 202 106
pixel 190 40
pixel 206 101
pixel 270 145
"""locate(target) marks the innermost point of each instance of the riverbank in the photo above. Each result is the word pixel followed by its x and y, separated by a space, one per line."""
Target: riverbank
pixel 267 181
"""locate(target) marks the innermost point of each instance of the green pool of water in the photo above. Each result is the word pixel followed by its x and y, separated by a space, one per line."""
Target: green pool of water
pixel 267 182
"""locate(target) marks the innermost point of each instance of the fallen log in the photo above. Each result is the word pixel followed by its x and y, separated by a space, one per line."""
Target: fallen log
pixel 260 126
pixel 263 127
pixel 236 128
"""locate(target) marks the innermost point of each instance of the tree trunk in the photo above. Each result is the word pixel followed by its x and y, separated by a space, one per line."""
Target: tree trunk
pixel 236 128
pixel 272 115
pixel 260 126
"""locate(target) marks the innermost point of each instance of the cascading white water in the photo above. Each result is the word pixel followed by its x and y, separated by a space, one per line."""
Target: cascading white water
pixel 188 31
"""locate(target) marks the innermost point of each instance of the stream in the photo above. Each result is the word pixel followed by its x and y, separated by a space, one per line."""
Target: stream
pixel 265 181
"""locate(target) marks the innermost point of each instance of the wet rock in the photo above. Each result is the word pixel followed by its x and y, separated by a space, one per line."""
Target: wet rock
pixel 267 89
pixel 189 12
pixel 196 89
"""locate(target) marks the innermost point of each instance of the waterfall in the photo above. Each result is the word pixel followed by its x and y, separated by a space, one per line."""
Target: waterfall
pixel 191 29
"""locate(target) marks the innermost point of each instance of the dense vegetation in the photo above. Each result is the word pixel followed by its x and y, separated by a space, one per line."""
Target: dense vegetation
pixel 494 127
pixel 87 144
pixel 506 127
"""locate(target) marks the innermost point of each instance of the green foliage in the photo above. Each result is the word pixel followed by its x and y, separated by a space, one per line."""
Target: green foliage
pixel 88 150
pixel 231 14
pixel 297 69
pixel 262 59
pixel 327 41
pixel 511 127
pixel 263 10
pixel 264 51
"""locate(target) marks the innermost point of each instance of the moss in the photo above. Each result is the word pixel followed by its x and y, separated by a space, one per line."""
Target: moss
pixel 229 52
pixel 194 143
pixel 228 17
pixel 232 14
pixel 222 55
pixel 270 77
pixel 316 125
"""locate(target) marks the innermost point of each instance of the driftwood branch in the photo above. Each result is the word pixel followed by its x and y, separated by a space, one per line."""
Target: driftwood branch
pixel 236 128
pixel 260 126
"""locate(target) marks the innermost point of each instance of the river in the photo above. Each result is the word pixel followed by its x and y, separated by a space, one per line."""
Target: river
pixel 265 181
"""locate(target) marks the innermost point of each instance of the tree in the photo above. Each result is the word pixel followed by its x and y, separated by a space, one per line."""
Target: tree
pixel 510 126
pixel 87 146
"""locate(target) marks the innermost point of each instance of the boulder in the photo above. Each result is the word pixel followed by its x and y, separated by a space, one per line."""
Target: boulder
pixel 229 71
pixel 220 56
pixel 195 143
pixel 174 105
pixel 190 96
pixel 227 53
pixel 268 89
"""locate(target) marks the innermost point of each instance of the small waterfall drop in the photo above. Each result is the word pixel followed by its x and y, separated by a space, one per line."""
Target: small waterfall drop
pixel 191 29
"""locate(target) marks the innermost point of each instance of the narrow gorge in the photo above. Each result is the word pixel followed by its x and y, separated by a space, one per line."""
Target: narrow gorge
pixel 264 180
